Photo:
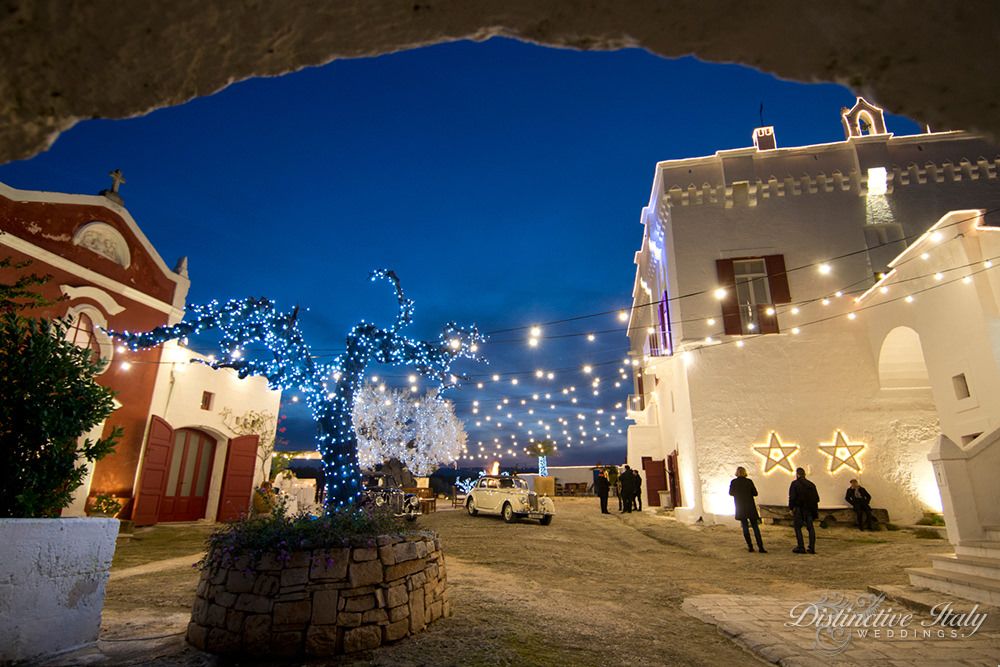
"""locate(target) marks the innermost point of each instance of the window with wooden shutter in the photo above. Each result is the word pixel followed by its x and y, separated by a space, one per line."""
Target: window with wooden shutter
pixel 753 286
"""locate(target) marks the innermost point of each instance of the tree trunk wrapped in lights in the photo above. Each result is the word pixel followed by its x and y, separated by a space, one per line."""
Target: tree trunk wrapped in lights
pixel 542 449
pixel 329 389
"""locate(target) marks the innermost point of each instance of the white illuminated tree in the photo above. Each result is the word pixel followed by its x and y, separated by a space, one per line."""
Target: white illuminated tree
pixel 422 433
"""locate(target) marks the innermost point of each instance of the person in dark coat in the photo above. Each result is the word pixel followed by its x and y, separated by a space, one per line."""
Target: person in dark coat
pixel 803 500
pixel 602 487
pixel 859 498
pixel 743 492
pixel 627 482
pixel 637 502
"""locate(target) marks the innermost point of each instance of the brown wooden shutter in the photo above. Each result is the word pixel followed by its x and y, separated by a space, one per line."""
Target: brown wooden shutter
pixel 730 307
pixel 777 278
pixel 237 481
pixel 153 479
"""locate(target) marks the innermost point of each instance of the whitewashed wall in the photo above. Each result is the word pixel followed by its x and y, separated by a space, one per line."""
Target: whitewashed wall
pixel 804 387
pixel 179 403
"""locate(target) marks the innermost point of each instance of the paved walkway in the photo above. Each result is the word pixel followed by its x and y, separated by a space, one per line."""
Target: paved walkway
pixel 157 566
pixel 783 631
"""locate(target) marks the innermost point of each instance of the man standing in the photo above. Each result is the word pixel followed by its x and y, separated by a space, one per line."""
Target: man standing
pixel 859 498
pixel 803 500
pixel 602 487
pixel 627 493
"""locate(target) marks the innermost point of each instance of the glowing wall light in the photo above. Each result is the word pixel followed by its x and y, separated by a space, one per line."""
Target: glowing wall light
pixel 776 455
pixel 877 181
pixel 843 452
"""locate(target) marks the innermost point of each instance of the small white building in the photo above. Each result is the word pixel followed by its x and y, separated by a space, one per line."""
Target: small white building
pixel 752 334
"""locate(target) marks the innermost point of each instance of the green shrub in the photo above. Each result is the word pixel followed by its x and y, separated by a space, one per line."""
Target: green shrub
pixel 49 399
pixel 931 519
pixel 105 505
pixel 246 541
pixel 927 534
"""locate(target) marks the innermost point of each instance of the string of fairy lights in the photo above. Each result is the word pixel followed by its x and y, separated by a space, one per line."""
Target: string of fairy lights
pixel 515 422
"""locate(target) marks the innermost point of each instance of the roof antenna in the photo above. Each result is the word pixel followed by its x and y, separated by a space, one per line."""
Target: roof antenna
pixel 761 113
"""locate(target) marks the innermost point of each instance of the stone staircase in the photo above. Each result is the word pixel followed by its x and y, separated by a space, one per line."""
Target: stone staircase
pixel 972 572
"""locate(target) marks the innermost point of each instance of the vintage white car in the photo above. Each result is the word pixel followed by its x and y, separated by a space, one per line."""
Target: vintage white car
pixel 510 498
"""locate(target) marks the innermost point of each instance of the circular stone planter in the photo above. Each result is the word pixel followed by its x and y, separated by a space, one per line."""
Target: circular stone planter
pixel 322 602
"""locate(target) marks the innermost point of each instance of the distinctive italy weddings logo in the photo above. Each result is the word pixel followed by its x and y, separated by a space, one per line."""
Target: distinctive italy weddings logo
pixel 839 617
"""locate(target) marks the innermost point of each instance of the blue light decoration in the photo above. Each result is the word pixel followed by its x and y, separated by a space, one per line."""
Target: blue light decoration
pixel 543 466
pixel 329 389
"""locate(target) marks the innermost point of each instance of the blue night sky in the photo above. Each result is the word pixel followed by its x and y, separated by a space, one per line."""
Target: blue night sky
pixel 502 181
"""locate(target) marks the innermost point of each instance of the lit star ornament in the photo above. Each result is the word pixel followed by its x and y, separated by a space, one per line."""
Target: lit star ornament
pixel 776 455
pixel 290 365
pixel 843 452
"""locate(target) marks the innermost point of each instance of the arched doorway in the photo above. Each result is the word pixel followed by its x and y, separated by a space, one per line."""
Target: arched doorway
pixel 190 471
pixel 901 361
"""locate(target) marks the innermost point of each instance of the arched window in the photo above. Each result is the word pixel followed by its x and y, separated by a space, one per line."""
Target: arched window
pixel 901 361
pixel 84 332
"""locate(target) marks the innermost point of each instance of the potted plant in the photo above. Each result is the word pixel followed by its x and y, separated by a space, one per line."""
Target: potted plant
pixel 56 568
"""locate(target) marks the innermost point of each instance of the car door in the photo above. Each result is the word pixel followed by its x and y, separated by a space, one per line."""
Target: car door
pixel 489 495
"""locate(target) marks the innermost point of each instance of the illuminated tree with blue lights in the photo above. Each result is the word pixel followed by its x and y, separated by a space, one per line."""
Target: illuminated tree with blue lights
pixel 329 389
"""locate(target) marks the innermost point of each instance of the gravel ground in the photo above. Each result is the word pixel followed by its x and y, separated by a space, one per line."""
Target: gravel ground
pixel 590 589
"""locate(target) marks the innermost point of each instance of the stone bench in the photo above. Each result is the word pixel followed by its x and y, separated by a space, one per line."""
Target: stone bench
pixel 829 515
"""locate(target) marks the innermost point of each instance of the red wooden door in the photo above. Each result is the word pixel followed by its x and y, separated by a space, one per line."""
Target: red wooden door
pixel 153 478
pixel 186 493
pixel 656 479
pixel 673 480
pixel 237 482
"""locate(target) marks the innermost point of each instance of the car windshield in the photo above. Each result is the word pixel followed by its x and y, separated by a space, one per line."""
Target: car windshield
pixel 512 483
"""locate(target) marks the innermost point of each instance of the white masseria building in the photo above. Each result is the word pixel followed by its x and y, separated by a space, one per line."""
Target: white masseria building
pixel 763 333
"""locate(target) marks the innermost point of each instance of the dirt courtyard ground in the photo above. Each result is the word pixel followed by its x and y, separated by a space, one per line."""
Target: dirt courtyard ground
pixel 590 589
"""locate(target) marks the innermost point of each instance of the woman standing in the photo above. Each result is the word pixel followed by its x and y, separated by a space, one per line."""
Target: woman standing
pixel 743 492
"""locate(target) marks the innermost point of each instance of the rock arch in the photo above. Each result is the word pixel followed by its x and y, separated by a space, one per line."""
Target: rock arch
pixel 66 61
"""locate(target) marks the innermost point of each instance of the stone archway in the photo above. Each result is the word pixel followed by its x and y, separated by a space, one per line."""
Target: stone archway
pixel 67 61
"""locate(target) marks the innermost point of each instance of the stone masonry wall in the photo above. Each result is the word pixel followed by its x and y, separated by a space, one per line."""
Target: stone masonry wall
pixel 323 602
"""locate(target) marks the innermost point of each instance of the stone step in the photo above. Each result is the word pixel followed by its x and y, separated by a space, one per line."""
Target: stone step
pixel 922 600
pixel 962 585
pixel 974 565
pixel 980 548
pixel 992 533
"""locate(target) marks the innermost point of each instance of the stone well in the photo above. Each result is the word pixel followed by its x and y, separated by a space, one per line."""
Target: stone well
pixel 324 601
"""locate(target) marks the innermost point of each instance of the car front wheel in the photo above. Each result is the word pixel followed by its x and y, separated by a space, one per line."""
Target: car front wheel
pixel 470 507
pixel 545 520
pixel 508 513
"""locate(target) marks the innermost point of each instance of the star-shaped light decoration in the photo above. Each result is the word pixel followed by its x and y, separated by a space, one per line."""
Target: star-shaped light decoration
pixel 776 455
pixel 842 452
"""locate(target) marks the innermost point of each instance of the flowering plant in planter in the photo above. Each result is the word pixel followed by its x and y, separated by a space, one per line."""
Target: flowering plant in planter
pixel 244 544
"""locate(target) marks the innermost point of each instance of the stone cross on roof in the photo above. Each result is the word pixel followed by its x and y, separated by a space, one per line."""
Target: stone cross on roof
pixel 116 181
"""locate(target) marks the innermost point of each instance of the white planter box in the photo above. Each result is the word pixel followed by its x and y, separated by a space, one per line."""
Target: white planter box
pixel 52 578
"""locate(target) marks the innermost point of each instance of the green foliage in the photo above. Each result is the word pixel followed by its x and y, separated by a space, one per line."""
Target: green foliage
pixel 243 543
pixel 927 534
pixel 931 519
pixel 280 463
pixel 19 295
pixel 49 399
pixel 105 505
